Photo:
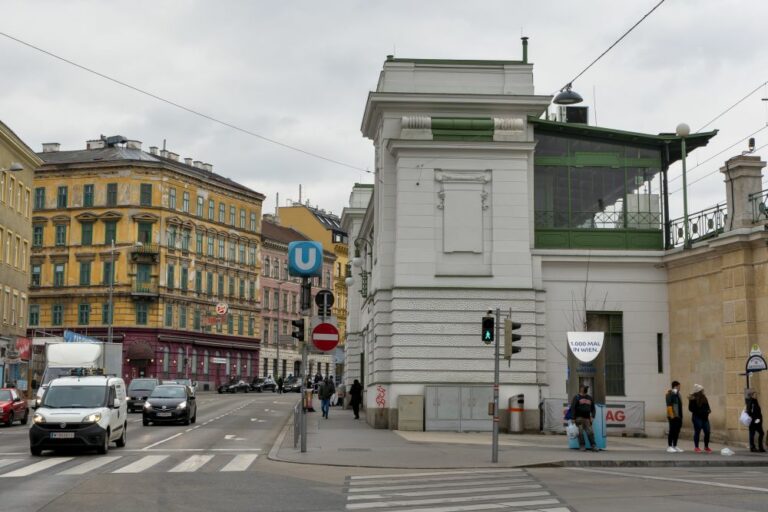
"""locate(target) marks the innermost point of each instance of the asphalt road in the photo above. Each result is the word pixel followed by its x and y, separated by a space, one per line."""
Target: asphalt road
pixel 220 464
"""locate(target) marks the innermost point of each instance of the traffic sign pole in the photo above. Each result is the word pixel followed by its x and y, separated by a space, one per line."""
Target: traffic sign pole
pixel 495 441
pixel 303 419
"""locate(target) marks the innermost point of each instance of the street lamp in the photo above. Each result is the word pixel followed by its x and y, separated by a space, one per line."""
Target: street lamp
pixel 358 262
pixel 682 131
pixel 566 96
pixel 111 290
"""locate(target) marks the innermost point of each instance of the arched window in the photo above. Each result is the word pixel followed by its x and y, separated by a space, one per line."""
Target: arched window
pixel 166 359
pixel 239 365
pixel 265 271
pixel 193 362
pixel 248 362
pixel 205 363
pixel 180 362
pixel 229 368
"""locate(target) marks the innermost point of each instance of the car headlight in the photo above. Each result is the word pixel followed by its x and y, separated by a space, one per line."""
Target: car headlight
pixel 92 418
pixel 38 418
pixel 147 405
pixel 182 405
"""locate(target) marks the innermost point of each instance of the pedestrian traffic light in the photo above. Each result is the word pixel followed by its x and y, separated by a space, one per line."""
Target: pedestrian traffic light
pixel 510 337
pixel 298 329
pixel 487 329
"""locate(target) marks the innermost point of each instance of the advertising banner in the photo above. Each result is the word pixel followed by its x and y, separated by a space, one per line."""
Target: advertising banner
pixel 24 348
pixel 620 416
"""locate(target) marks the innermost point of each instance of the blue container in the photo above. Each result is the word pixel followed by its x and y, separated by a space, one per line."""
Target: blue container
pixel 599 428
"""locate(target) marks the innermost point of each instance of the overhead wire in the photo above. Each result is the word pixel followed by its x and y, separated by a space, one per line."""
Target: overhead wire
pixel 712 172
pixel 185 108
pixel 721 114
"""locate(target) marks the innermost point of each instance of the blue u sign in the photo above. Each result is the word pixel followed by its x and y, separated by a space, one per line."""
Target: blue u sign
pixel 305 259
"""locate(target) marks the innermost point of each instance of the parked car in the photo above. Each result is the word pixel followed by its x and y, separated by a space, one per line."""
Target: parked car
pixel 12 407
pixel 138 391
pixel 80 412
pixel 292 385
pixel 186 382
pixel 235 387
pixel 172 403
pixel 267 384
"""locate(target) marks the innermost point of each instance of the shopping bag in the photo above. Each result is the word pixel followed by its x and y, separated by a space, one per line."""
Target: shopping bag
pixel 572 430
pixel 745 419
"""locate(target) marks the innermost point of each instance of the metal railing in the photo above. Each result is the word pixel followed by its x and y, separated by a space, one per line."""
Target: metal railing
pixel 597 220
pixel 759 202
pixel 704 224
pixel 145 249
pixel 144 287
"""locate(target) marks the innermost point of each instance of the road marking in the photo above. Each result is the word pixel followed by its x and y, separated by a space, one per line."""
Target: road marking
pixel 438 501
pixel 439 473
pixel 144 450
pixel 440 492
pixel 163 441
pixel 498 506
pixel 229 436
pixel 191 464
pixel 669 479
pixel 37 467
pixel 8 462
pixel 240 463
pixel 426 485
pixel 85 467
pixel 141 464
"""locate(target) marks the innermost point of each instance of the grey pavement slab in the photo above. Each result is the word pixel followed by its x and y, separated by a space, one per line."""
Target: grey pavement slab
pixel 341 440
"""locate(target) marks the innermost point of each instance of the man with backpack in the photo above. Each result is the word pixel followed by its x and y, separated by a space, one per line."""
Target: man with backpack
pixel 582 411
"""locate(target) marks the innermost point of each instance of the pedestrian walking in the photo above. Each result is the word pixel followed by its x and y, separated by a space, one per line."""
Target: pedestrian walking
pixel 341 392
pixel 583 410
pixel 356 397
pixel 698 405
pixel 280 383
pixel 325 391
pixel 674 417
pixel 756 427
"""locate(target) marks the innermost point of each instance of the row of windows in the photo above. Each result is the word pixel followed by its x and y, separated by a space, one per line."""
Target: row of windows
pixel 173 317
pixel 13 305
pixel 86 233
pixel 246 220
pixel 275 331
pixel 236 286
pixel 14 194
pixel 289 303
pixel 13 250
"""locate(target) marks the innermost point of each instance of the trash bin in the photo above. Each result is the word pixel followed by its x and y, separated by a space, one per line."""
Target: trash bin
pixel 516 409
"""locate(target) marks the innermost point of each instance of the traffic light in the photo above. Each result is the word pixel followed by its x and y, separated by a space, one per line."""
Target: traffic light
pixel 487 329
pixel 298 329
pixel 510 338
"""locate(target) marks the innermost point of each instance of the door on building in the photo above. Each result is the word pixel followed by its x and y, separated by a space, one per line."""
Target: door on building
pixel 297 368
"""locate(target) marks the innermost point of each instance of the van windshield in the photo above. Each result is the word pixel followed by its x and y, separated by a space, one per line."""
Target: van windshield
pixel 142 384
pixel 59 397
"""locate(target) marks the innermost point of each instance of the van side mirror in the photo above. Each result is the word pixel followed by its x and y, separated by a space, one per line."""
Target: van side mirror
pixel 17 399
pixel 116 403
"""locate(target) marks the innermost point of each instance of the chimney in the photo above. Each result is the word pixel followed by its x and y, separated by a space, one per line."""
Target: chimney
pixel 173 156
pixel 133 144
pixel 198 164
pixel 153 150
pixel 94 144
pixel 51 147
pixel 525 49
pixel 743 177
pixel 208 167
pixel 188 161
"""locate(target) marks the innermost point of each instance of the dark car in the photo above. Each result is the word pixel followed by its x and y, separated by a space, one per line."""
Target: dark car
pixel 12 407
pixel 138 391
pixel 260 385
pixel 173 403
pixel 235 387
pixel 292 385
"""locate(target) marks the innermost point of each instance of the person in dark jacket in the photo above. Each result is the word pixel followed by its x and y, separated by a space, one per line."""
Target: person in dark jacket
pixel 325 391
pixel 583 410
pixel 356 397
pixel 280 383
pixel 698 405
pixel 674 417
pixel 756 427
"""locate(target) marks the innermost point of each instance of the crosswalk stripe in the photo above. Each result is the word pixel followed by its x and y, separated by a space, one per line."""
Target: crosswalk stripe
pixel 496 506
pixel 85 467
pixel 459 479
pixel 191 464
pixel 141 464
pixel 384 487
pixel 8 462
pixel 36 468
pixel 240 463
pixel 438 473
pixel 437 501
pixel 442 492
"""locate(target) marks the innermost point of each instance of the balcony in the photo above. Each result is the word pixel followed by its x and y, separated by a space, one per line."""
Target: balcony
pixel 702 225
pixel 145 253
pixel 144 289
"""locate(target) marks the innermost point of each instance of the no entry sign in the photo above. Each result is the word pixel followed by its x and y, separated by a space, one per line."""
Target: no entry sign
pixel 325 337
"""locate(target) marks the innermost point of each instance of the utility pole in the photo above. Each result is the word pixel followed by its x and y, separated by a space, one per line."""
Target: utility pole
pixel 111 290
pixel 306 312
pixel 495 441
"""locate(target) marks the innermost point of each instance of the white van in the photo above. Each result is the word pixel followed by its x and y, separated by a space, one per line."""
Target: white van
pixel 85 412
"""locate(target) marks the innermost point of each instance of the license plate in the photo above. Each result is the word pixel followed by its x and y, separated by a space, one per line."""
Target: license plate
pixel 164 414
pixel 62 435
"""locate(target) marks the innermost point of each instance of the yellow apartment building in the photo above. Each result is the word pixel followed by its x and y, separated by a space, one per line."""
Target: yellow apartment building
pixel 173 238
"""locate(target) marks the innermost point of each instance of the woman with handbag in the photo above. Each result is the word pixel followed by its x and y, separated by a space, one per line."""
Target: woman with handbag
pixel 756 426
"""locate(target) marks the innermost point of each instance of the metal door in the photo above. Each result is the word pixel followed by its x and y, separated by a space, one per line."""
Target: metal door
pixel 443 408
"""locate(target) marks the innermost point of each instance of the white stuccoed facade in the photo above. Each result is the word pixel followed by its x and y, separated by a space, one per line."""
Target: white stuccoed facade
pixel 449 234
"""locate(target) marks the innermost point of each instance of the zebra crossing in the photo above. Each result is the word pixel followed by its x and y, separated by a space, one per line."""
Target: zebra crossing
pixel 473 490
pixel 126 464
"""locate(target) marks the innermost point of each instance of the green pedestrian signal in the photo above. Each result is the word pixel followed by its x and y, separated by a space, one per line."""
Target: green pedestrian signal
pixel 487 330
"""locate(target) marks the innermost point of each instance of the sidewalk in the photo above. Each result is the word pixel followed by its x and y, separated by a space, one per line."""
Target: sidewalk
pixel 343 441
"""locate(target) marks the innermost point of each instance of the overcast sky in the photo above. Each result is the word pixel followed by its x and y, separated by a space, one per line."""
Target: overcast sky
pixel 299 72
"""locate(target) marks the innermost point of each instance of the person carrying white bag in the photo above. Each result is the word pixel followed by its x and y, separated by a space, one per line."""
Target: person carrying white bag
pixel 756 427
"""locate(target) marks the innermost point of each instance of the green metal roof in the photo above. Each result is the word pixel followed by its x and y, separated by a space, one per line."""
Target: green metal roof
pixel 693 141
